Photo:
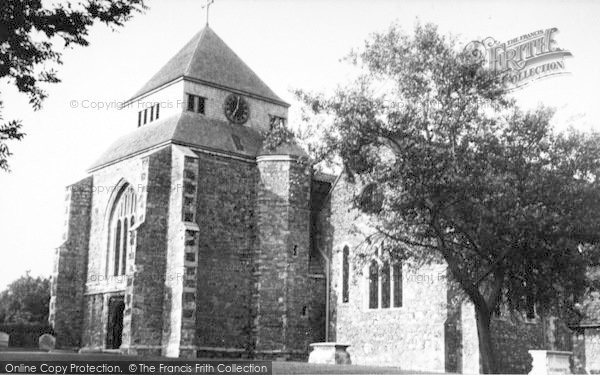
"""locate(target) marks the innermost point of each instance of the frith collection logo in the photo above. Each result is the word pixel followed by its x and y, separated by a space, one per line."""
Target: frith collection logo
pixel 524 59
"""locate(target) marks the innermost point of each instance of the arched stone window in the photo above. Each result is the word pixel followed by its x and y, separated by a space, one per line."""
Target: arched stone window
pixel 122 218
pixel 385 282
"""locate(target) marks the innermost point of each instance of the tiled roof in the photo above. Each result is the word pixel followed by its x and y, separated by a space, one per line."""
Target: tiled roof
pixel 207 59
pixel 187 128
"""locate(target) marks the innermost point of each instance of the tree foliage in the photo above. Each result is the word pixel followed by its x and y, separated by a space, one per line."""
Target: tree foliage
pixel 25 300
pixel 32 35
pixel 462 175
pixel 278 134
pixel 10 130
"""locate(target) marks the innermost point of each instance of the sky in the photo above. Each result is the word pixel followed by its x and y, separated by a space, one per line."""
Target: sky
pixel 289 43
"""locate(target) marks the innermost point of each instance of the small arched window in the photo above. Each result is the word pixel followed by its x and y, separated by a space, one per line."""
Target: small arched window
pixel 345 274
pixel 122 219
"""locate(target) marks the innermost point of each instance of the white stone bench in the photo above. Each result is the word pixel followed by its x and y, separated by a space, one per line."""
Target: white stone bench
pixel 550 362
pixel 332 353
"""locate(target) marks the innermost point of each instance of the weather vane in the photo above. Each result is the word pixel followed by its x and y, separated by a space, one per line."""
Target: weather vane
pixel 207 4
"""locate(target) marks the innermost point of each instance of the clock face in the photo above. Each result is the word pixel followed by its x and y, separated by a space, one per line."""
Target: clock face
pixel 236 109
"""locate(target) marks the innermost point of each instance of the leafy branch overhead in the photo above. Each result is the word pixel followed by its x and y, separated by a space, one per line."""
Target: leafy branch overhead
pixel 32 37
pixel 455 171
pixel 8 130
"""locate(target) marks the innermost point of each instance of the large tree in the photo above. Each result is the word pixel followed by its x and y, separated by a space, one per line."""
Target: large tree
pixel 454 172
pixel 32 36
pixel 25 300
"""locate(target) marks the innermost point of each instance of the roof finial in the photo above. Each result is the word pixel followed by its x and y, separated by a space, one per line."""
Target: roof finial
pixel 207 4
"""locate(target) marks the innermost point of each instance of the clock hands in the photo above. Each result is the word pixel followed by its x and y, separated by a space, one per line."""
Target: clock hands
pixel 236 109
pixel 237 106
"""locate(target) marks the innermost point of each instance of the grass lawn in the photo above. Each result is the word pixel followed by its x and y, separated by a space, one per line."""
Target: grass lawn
pixel 296 368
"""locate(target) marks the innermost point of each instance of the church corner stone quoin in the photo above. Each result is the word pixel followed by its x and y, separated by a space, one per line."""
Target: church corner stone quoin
pixel 190 239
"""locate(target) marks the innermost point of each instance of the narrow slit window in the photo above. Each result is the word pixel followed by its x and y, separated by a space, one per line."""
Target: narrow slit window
pixel 145 116
pixel 157 111
pixel 132 221
pixel 385 286
pixel 201 105
pixel 530 306
pixel 345 274
pixel 238 142
pixel 397 287
pixel 152 113
pixel 190 102
pixel 117 248
pixel 139 119
pixel 374 285
pixel 124 251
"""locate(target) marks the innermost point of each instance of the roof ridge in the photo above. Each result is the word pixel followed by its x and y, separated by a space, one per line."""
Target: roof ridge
pixel 201 34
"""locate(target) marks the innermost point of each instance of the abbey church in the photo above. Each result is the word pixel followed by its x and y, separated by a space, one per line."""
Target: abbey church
pixel 190 238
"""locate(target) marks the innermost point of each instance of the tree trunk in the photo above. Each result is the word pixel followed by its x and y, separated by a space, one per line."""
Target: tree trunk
pixel 487 356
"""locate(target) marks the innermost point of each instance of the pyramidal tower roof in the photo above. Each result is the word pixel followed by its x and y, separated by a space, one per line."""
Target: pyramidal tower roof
pixel 207 59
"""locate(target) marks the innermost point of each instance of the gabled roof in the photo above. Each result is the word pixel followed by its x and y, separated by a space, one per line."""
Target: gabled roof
pixel 188 129
pixel 207 59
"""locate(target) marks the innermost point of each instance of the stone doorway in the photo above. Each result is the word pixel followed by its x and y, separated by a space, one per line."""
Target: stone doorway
pixel 114 329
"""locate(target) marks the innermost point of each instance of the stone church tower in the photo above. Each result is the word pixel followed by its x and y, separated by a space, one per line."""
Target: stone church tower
pixel 189 238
